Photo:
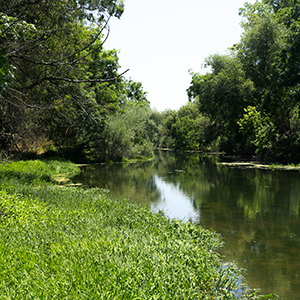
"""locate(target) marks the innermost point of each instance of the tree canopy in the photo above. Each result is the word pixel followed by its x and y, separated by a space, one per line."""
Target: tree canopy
pixel 56 78
pixel 252 93
pixel 60 86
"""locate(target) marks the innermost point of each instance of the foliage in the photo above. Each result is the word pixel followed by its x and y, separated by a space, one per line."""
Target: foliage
pixel 60 77
pixel 262 40
pixel 63 242
pixel 10 27
pixel 65 87
pixel 259 132
pixel 165 139
pixel 135 95
pixel 58 83
pixel 222 95
pixel 277 93
pixel 186 129
pixel 260 72
pixel 126 134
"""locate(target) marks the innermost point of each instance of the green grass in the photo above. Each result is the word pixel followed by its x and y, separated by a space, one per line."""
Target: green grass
pixel 72 243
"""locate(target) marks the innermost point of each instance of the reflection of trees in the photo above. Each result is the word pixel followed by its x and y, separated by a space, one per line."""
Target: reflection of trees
pixel 249 194
pixel 193 174
pixel 256 192
pixel 133 181
pixel 256 211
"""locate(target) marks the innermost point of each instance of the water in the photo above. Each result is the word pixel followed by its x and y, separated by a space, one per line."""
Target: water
pixel 256 211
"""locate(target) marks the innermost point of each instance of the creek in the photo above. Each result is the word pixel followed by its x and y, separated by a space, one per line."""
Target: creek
pixel 255 211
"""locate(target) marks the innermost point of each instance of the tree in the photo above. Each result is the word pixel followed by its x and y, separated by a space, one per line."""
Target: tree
pixel 276 5
pixel 58 44
pixel 185 129
pixel 253 93
pixel 263 38
pixel 222 95
pixel 269 51
pixel 135 95
pixel 55 51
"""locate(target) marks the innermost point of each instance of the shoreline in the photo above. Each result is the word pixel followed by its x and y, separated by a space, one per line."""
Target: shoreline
pixel 102 247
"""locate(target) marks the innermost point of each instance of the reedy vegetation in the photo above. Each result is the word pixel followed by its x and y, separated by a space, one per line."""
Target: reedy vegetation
pixel 73 243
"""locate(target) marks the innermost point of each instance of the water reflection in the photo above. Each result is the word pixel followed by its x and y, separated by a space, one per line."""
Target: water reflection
pixel 174 203
pixel 256 211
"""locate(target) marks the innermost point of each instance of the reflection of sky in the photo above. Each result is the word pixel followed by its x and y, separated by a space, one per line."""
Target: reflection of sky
pixel 174 203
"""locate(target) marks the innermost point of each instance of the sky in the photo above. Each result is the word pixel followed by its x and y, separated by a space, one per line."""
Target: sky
pixel 159 41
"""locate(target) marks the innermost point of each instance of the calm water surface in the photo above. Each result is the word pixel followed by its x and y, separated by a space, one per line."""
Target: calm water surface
pixel 256 211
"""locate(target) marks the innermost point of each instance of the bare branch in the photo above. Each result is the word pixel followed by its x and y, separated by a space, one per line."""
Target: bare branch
pixel 18 98
pixel 86 80
pixel 62 61
pixel 53 79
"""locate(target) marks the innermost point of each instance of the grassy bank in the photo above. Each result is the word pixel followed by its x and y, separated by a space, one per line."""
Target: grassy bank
pixel 60 242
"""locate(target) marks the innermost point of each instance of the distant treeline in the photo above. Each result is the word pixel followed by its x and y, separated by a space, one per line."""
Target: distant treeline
pixel 62 92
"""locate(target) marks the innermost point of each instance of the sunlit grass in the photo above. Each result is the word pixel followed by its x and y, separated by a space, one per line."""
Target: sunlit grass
pixel 73 243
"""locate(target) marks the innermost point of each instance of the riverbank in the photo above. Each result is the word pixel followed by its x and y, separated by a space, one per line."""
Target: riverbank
pixel 61 242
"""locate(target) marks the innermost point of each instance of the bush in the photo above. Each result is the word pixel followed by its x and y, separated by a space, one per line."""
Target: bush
pixel 126 135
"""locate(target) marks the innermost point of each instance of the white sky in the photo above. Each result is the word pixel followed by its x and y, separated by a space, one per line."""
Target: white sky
pixel 160 40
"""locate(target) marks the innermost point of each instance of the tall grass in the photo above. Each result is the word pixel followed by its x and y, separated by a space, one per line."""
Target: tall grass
pixel 73 243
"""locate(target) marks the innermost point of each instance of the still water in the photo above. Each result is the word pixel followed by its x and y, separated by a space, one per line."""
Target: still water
pixel 255 211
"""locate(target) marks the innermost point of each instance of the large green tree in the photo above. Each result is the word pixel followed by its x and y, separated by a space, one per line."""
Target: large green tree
pixel 253 93
pixel 222 96
pixel 269 52
pixel 55 75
